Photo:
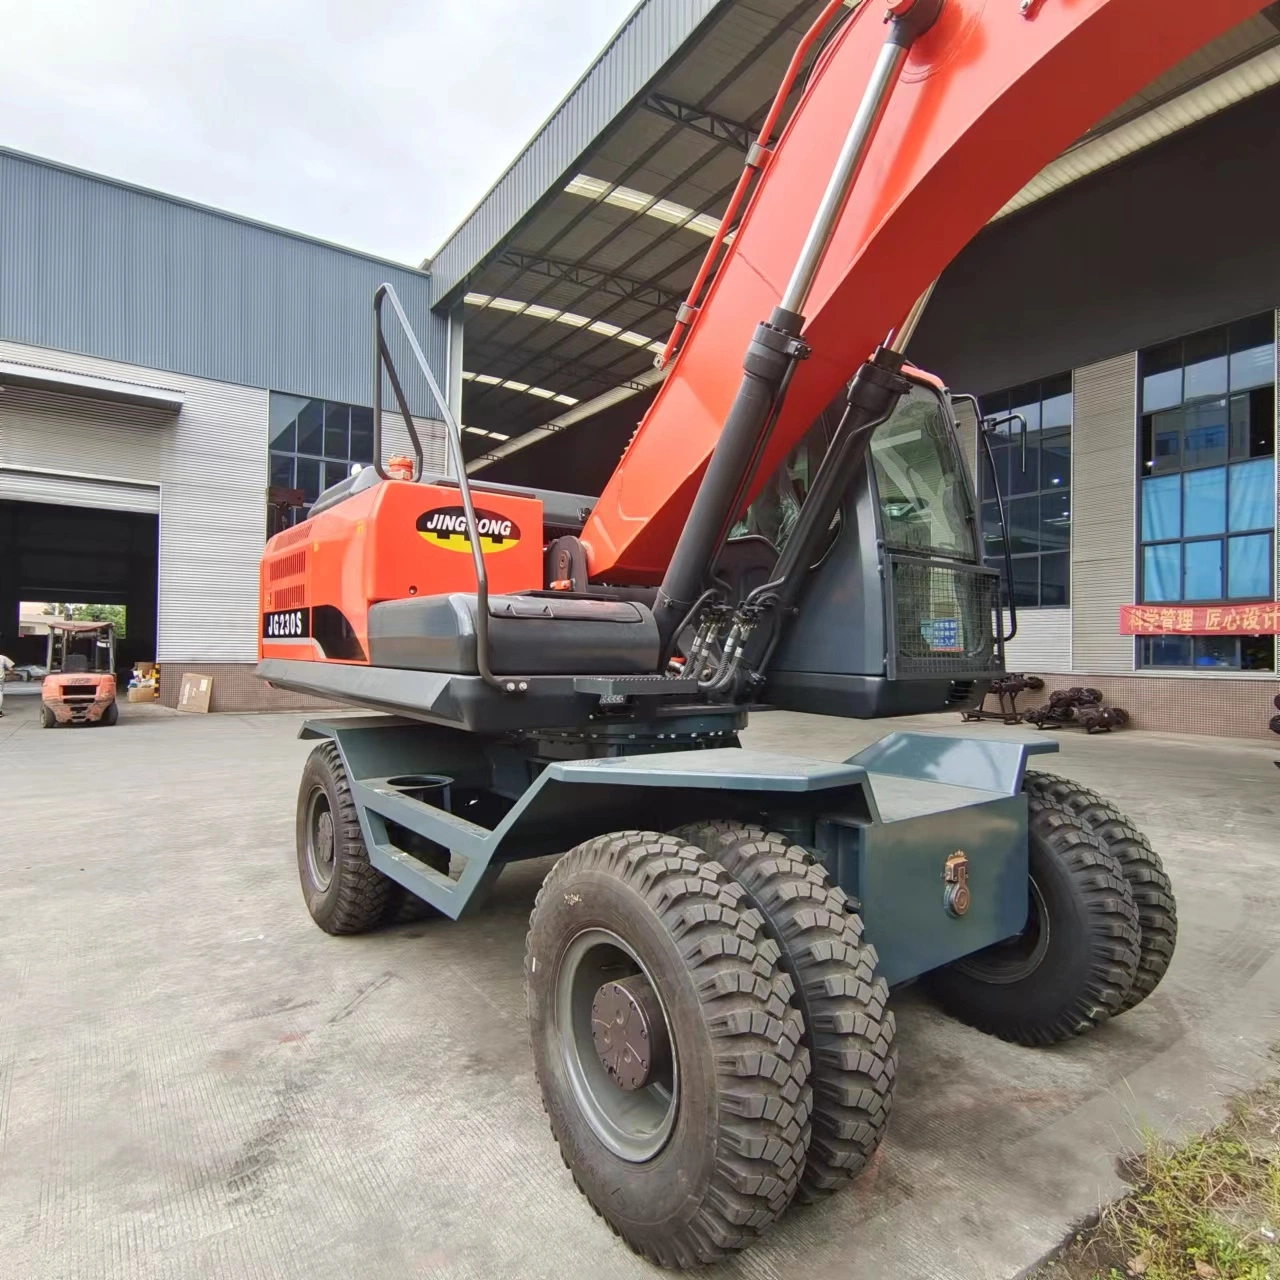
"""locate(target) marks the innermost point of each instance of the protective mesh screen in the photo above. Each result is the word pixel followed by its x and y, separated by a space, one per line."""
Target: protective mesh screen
pixel 944 618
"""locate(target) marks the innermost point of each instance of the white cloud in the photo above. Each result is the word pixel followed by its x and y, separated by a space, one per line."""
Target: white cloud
pixel 374 123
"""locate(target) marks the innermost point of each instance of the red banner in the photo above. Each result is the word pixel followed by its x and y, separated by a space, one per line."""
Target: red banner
pixel 1213 620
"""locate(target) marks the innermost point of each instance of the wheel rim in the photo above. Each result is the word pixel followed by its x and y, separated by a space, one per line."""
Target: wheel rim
pixel 600 975
pixel 1019 957
pixel 320 838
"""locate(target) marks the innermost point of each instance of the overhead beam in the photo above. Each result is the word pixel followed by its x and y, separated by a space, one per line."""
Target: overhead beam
pixel 561 373
pixel 708 123
pixel 575 273
pixel 578 413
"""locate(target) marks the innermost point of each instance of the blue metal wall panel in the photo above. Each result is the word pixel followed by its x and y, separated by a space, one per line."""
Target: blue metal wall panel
pixel 102 268
pixel 640 50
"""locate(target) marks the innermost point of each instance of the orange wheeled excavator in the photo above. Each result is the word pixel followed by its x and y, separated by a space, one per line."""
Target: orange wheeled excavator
pixel 708 962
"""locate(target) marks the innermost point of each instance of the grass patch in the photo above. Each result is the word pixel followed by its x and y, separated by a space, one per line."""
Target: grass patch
pixel 1208 1207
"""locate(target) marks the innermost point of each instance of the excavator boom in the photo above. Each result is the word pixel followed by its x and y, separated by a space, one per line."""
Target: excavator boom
pixel 989 95
pixel 534 712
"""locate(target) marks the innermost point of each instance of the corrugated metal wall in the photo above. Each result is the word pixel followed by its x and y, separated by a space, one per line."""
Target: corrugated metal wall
pixel 653 33
pixel 435 451
pixel 1043 642
pixel 1104 479
pixel 104 269
pixel 28 484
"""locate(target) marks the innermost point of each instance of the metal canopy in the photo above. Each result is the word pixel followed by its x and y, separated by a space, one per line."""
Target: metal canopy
pixel 83 384
pixel 614 244
pixel 573 303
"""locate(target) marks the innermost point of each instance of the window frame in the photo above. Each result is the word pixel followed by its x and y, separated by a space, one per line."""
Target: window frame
pixel 1228 465
pixel 325 461
pixel 985 479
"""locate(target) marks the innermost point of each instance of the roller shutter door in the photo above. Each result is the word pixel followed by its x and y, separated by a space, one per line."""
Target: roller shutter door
pixel 22 484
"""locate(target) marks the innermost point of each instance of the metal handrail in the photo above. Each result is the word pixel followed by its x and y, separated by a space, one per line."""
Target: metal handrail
pixel 987 428
pixel 381 359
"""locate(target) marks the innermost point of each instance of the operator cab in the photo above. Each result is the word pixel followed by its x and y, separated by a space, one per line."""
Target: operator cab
pixel 899 614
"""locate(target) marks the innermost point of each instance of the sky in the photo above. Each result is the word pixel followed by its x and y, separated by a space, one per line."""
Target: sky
pixel 377 124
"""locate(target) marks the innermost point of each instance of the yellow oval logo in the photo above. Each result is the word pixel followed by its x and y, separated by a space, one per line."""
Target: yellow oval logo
pixel 447 527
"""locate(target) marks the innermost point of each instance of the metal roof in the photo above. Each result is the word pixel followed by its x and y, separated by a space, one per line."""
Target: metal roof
pixel 570 270
pixel 99 267
pixel 578 296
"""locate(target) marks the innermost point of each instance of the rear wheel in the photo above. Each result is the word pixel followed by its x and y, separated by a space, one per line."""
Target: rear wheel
pixel 343 891
pixel 1074 962
pixel 111 714
pixel 47 718
pixel 670 1061
pixel 1139 864
pixel 848 1030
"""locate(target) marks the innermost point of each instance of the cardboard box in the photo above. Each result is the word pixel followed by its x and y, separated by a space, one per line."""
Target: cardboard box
pixel 144 670
pixel 195 693
pixel 143 693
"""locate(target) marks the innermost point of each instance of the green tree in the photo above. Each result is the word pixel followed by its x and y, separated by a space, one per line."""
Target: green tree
pixel 96 613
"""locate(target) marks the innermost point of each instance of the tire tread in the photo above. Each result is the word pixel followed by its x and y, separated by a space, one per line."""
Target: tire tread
pixel 761 1064
pixel 838 994
pixel 1141 866
pixel 363 891
pixel 1113 941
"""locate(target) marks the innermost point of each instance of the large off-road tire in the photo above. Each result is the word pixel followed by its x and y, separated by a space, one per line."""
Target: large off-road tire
pixel 344 893
pixel 704 1150
pixel 1141 866
pixel 1074 963
pixel 848 1030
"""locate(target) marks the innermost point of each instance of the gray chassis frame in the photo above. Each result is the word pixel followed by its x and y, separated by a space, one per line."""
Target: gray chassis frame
pixel 883 822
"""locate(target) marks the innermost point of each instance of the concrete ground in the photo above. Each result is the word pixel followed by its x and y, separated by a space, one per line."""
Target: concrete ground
pixel 196 1082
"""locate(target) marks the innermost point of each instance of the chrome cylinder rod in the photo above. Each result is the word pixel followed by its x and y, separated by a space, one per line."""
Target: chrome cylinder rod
pixel 898 339
pixel 904 29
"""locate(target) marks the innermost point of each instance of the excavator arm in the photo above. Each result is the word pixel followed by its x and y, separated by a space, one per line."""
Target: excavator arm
pixel 975 106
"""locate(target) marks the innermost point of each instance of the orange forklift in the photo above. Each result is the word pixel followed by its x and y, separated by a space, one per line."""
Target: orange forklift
pixel 80 684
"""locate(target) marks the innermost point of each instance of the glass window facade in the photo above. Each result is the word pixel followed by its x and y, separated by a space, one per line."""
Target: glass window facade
pixel 313 444
pixel 1033 472
pixel 1208 485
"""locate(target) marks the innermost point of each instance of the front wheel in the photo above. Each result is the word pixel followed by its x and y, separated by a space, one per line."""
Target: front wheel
pixel 671 1064
pixel 1074 962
